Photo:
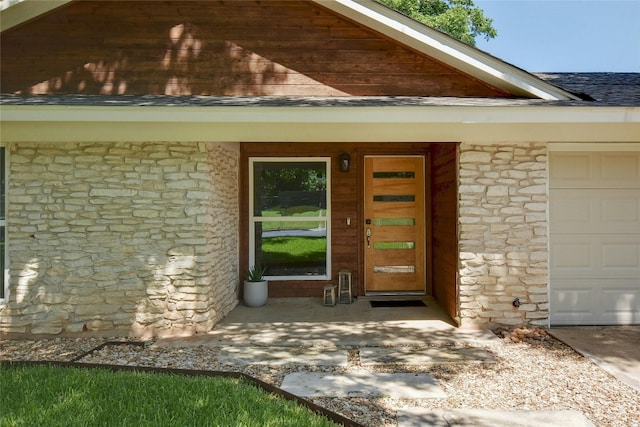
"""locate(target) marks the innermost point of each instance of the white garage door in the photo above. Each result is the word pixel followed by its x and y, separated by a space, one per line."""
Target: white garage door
pixel 594 238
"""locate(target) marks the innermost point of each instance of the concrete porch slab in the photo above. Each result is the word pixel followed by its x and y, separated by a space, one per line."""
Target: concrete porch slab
pixel 306 322
pixel 413 417
pixel 363 384
pixel 279 356
pixel 423 355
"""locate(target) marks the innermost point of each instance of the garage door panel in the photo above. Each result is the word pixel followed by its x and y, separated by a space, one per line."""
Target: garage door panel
pixel 595 211
pixel 621 304
pixel 616 167
pixel 573 298
pixel 619 207
pixel 585 255
pixel 571 257
pixel 570 169
pixel 595 302
pixel 570 209
pixel 594 223
pixel 620 257
pixel 595 170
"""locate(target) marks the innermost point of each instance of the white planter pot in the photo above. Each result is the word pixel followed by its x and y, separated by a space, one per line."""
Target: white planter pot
pixel 256 293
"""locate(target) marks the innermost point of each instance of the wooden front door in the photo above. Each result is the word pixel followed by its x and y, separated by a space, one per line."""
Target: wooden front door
pixel 394 234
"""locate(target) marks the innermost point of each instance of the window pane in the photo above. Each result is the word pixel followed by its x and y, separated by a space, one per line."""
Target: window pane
pixel 401 175
pixel 292 250
pixel 394 245
pixel 290 217
pixel 290 189
pixel 394 221
pixel 395 198
pixel 394 269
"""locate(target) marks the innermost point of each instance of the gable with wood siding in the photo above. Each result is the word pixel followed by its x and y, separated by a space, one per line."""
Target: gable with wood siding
pixel 218 48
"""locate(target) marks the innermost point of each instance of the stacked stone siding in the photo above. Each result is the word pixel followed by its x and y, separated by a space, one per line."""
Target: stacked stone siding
pixel 125 238
pixel 503 235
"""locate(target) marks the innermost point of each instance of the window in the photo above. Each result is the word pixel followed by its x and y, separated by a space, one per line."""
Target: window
pixel 289 215
pixel 3 223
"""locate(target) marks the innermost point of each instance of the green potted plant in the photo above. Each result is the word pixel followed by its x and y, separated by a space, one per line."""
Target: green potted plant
pixel 256 288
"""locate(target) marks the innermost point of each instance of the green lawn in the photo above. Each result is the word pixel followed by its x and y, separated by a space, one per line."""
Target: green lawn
pixel 54 396
pixel 294 251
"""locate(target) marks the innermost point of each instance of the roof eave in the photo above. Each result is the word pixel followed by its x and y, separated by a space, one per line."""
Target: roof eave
pixel 16 12
pixel 482 125
pixel 446 49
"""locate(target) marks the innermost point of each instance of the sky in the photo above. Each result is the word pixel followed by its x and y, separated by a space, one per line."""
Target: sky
pixel 565 35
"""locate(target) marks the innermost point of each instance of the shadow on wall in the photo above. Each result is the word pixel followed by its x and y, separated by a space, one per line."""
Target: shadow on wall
pixel 113 296
pixel 188 65
pixel 134 239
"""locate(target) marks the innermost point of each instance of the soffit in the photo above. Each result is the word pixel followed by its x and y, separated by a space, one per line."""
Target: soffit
pixel 16 12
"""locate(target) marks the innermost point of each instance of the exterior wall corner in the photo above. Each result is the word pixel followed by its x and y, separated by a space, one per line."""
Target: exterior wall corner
pixel 136 239
pixel 503 240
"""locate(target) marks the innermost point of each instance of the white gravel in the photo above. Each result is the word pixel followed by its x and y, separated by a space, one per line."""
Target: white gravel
pixel 535 373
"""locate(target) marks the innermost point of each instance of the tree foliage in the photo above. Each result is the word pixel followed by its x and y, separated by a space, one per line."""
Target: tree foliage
pixel 461 19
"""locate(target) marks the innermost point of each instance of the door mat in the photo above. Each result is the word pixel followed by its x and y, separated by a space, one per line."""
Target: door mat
pixel 398 303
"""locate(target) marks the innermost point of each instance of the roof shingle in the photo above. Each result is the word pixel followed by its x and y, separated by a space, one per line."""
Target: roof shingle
pixel 620 89
pixel 604 89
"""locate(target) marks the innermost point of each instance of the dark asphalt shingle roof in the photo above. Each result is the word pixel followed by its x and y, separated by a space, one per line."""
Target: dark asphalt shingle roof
pixel 601 89
pixel 259 101
pixel 605 88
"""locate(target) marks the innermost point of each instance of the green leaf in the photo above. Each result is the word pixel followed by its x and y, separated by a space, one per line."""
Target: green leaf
pixel 461 19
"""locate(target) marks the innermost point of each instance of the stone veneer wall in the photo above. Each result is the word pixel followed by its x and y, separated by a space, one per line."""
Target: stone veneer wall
pixel 503 235
pixel 133 239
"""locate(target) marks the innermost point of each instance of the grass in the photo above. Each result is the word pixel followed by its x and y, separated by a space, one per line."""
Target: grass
pixel 54 396
pixel 292 250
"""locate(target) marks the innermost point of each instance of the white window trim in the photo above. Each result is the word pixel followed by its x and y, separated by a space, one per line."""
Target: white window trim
pixel 252 219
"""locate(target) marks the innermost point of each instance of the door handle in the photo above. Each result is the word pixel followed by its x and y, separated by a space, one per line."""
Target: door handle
pixel 368 238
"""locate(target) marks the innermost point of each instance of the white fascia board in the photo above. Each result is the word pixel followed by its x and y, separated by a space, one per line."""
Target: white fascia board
pixel 16 12
pixel 482 125
pixel 312 132
pixel 446 49
pixel 387 114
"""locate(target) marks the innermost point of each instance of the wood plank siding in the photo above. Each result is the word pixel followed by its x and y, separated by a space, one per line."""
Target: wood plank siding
pixel 444 226
pixel 218 48
pixel 346 200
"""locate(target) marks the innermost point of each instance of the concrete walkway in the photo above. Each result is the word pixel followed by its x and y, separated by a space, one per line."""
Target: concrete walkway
pixel 614 348
pixel 417 417
pixel 363 384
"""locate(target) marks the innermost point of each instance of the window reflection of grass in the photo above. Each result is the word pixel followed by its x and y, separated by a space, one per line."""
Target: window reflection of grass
pixel 297 211
pixel 290 250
